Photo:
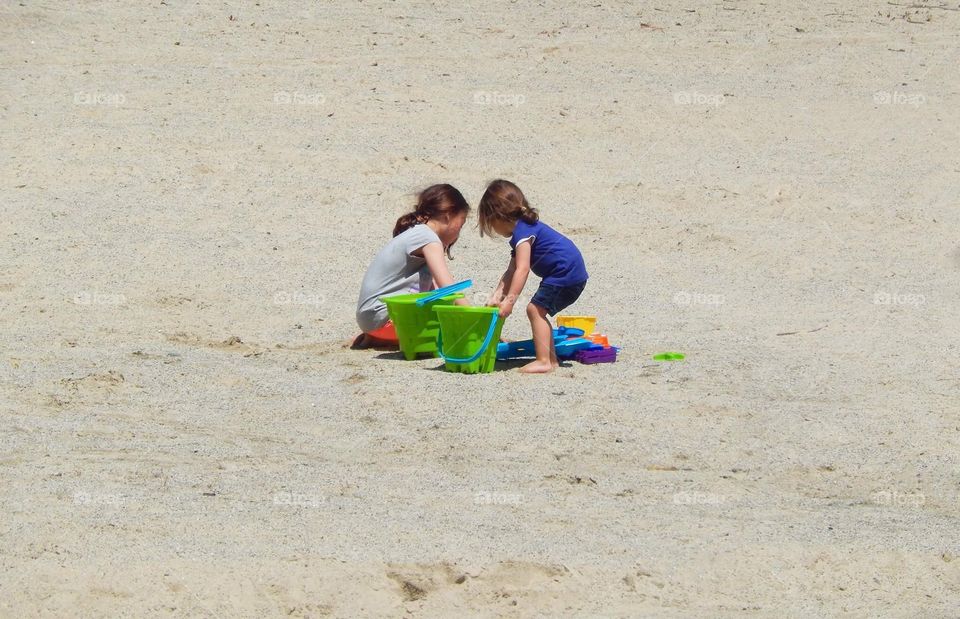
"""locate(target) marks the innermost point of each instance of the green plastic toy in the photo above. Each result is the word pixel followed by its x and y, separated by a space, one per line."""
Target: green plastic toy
pixel 468 337
pixel 416 323
pixel 669 356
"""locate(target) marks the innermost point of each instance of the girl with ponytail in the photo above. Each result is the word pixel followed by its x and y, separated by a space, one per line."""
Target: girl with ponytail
pixel 413 261
pixel 534 246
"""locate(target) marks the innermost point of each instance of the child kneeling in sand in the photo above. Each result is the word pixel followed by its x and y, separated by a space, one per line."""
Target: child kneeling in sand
pixel 413 261
pixel 537 247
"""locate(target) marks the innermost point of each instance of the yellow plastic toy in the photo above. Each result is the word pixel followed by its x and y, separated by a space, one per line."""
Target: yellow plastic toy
pixel 587 323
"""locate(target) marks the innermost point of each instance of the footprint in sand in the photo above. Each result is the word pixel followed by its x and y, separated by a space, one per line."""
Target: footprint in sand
pixel 96 388
pixel 231 344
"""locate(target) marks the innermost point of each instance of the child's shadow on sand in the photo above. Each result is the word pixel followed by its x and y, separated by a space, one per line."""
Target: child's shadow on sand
pixel 506 365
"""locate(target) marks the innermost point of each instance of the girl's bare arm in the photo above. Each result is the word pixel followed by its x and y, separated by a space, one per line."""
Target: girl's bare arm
pixel 505 280
pixel 518 279
pixel 433 254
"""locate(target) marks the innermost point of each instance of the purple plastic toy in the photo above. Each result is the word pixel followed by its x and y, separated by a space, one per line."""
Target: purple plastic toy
pixel 602 355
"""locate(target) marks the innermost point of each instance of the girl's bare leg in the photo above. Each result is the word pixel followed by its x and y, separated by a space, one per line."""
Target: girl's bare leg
pixel 542 341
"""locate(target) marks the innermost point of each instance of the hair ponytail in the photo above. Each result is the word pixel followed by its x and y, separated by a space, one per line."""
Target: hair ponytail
pixel 407 221
pixel 529 214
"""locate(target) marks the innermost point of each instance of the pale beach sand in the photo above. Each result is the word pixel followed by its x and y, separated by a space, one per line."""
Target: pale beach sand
pixel 191 192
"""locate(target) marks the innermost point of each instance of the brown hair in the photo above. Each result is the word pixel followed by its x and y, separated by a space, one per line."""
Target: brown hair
pixel 503 201
pixel 432 203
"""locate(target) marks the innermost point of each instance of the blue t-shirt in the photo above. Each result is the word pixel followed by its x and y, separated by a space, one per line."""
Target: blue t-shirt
pixel 553 257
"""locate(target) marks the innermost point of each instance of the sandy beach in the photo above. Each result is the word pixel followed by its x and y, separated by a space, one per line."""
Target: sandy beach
pixel 192 192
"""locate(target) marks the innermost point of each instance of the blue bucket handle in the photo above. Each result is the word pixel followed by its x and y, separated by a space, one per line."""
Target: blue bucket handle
pixel 439 293
pixel 494 317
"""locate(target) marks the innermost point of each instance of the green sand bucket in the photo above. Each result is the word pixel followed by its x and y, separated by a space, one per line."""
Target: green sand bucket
pixel 468 337
pixel 417 326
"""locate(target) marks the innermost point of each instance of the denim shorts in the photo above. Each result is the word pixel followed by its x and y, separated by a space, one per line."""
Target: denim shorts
pixel 555 299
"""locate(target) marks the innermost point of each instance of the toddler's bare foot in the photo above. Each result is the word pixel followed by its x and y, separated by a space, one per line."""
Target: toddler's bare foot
pixel 537 367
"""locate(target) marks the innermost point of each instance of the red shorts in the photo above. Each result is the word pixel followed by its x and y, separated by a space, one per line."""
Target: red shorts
pixel 386 333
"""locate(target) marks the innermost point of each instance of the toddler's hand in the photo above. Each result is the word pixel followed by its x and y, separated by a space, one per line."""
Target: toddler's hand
pixel 506 308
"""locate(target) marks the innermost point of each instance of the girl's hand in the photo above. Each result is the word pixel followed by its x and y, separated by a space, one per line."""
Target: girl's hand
pixel 506 308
